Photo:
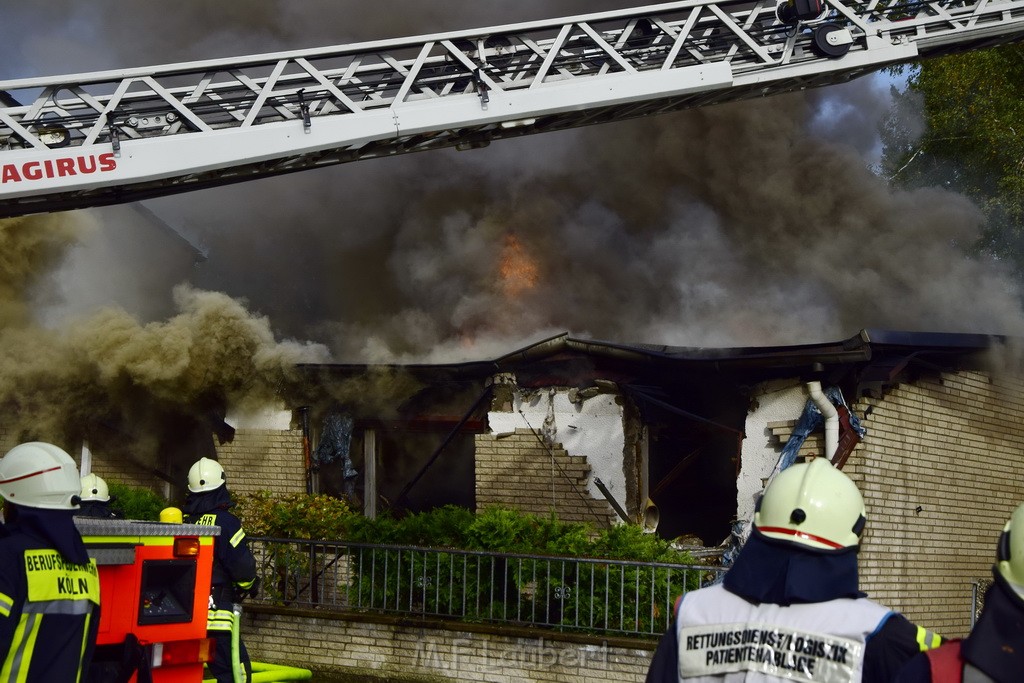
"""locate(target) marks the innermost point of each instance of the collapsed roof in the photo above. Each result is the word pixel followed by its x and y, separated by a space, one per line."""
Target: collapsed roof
pixel 693 401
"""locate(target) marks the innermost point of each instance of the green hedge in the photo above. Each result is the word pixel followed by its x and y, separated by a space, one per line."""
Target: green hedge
pixel 325 518
pixel 592 597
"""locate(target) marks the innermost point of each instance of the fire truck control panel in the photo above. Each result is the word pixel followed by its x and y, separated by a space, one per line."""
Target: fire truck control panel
pixel 109 137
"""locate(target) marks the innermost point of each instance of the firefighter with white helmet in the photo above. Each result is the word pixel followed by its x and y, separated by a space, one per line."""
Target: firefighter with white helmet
pixel 234 567
pixel 790 607
pixel 994 650
pixel 94 500
pixel 49 587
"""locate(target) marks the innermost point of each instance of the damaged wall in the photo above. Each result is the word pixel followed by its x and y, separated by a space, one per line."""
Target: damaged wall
pixel 588 427
pixel 518 471
pixel 940 470
pixel 255 460
pixel 265 454
pixel 772 402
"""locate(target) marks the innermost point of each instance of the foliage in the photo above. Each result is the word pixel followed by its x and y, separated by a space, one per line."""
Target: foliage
pixel 630 542
pixel 136 502
pixel 973 141
pixel 442 527
pixel 540 581
pixel 502 530
pixel 495 529
pixel 297 515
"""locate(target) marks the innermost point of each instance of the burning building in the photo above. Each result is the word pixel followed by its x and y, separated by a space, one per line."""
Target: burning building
pixel 725 237
pixel 681 440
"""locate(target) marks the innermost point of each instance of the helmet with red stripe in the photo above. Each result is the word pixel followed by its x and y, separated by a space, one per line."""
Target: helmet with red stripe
pixel 39 475
pixel 814 505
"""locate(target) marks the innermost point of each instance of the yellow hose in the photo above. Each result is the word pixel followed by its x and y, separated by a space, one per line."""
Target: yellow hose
pixel 272 673
pixel 275 673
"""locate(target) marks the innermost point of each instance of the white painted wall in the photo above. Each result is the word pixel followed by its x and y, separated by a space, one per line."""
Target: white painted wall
pixel 776 402
pixel 593 430
pixel 266 418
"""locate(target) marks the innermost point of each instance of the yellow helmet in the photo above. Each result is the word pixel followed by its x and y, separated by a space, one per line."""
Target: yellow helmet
pixel 171 515
pixel 205 475
pixel 814 505
pixel 94 488
pixel 1010 552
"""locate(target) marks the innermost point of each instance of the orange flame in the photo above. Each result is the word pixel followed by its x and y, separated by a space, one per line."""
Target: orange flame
pixel 517 272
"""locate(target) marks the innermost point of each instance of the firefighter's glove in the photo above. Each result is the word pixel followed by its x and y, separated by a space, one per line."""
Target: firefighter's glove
pixel 247 589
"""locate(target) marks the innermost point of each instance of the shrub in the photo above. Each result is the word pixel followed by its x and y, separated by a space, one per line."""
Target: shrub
pixel 443 527
pixel 326 518
pixel 136 503
pixel 630 542
pixel 501 530
pixel 296 515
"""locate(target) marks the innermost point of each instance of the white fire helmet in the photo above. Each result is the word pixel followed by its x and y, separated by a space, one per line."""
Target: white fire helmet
pixel 39 475
pixel 814 505
pixel 94 488
pixel 205 475
pixel 1010 553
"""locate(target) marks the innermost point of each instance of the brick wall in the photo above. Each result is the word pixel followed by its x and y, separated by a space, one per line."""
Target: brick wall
pixel 518 471
pixel 951 445
pixel 264 460
pixel 7 440
pixel 256 460
pixel 367 650
pixel 114 471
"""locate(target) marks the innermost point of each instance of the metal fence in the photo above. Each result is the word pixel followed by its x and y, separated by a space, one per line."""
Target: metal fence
pixel 611 597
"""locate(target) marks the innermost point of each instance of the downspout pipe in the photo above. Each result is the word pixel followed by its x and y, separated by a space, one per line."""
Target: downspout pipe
pixel 307 448
pixel 831 418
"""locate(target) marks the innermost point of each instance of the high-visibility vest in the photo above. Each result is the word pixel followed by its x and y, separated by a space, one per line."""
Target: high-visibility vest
pixel 723 637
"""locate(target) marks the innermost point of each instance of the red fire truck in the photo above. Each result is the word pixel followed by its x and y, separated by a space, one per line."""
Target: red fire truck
pixel 154 593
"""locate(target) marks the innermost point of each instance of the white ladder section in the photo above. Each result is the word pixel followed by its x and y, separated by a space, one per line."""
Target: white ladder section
pixel 116 136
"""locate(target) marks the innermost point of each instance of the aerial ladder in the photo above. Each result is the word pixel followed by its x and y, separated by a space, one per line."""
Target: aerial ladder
pixel 111 137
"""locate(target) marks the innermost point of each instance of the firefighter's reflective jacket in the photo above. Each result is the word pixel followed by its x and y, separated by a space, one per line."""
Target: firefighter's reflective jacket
pixel 49 600
pixel 784 612
pixel 234 566
pixel 720 636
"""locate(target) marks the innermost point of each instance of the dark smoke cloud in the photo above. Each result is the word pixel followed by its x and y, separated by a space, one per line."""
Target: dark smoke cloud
pixel 111 369
pixel 731 225
pixel 751 223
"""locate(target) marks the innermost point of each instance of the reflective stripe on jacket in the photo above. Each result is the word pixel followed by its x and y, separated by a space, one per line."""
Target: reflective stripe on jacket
pixel 49 613
pixel 234 563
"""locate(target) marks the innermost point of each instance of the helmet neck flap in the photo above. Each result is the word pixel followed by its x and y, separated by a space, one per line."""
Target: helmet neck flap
pixel 996 643
pixel 784 573
pixel 55 528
